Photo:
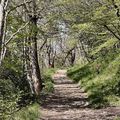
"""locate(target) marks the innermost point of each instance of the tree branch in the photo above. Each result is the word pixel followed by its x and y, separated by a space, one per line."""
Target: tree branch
pixel 13 35
pixel 22 4
pixel 112 32
pixel 43 44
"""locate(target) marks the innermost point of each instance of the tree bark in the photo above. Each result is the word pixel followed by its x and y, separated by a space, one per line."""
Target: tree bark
pixel 36 76
pixel 3 5
pixel 73 55
pixel 28 68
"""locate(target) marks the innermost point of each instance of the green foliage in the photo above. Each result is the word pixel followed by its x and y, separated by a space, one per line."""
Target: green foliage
pixel 85 22
pixel 100 79
pixel 103 15
pixel 9 96
pixel 14 89
pixel 83 27
pixel 48 81
pixel 30 112
pixel 108 44
pixel 79 73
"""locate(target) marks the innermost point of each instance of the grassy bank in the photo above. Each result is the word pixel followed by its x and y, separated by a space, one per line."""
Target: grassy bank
pixel 100 78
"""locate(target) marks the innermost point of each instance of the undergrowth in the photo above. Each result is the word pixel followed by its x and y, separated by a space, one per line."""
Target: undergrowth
pixel 100 78
pixel 30 112
pixel 48 81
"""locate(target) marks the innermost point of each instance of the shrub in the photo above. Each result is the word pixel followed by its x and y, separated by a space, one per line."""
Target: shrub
pixel 9 97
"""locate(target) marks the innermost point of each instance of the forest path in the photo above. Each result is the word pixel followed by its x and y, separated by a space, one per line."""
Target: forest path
pixel 69 102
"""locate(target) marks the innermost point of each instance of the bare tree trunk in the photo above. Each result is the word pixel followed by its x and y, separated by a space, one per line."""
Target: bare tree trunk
pixel 68 54
pixel 49 50
pixel 2 19
pixel 3 6
pixel 36 76
pixel 33 68
pixel 53 59
pixel 73 56
pixel 27 64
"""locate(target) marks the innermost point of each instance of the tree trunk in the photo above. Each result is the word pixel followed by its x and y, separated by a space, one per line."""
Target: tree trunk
pixel 3 5
pixel 36 77
pixel 2 19
pixel 73 55
pixel 33 69
pixel 28 68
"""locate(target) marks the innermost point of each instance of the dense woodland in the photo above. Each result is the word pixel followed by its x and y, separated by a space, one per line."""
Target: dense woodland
pixel 39 36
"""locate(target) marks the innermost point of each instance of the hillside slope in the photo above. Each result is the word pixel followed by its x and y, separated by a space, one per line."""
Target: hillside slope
pixel 101 77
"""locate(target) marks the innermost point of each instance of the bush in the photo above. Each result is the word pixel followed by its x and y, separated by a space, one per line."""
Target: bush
pixel 9 97
pixel 14 88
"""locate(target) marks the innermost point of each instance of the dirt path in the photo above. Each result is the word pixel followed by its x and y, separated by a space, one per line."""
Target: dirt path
pixel 69 102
